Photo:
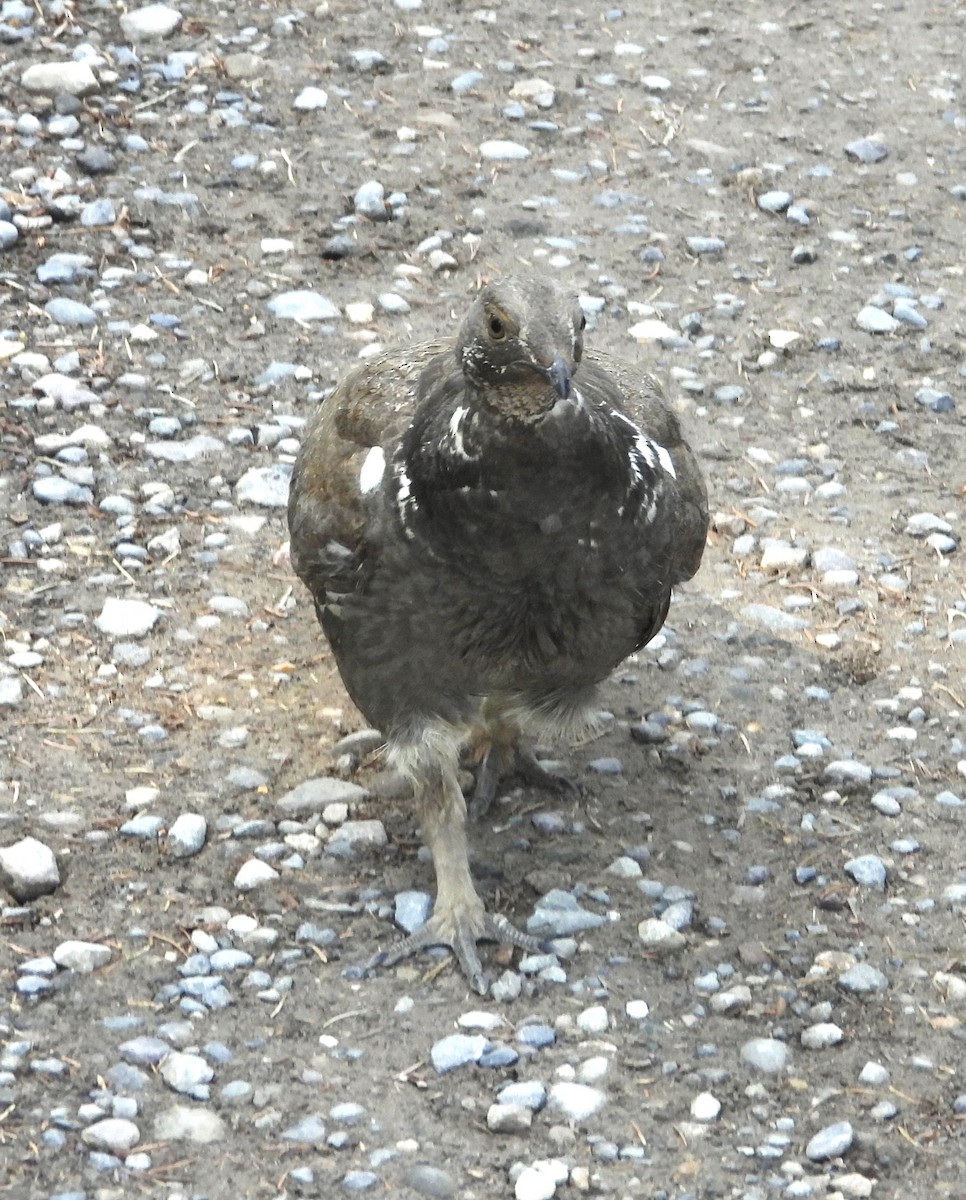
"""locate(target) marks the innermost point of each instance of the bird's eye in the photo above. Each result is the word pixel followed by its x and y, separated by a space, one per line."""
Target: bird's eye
pixel 496 327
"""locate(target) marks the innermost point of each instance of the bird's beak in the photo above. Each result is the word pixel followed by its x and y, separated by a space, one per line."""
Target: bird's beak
pixel 559 374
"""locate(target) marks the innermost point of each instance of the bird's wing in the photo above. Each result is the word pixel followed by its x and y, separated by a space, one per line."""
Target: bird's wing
pixel 329 504
pixel 639 396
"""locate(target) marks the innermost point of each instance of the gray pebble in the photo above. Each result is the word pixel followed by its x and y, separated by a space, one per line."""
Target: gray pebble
pixel 55 489
pixel 28 869
pixel 706 245
pixel 189 1074
pixel 830 1142
pixel 303 305
pixel 775 202
pixel 863 979
pixel 266 487
pixel 767 1055
pixel 876 320
pixel 69 312
pixel 82 957
pixel 412 910
pixel 558 914
pixel 868 870
pixel 187 835
pixel 458 1050
pixel 313 796
pixel 432 1182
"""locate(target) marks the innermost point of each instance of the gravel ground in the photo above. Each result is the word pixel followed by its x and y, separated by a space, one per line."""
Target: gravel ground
pixel 759 987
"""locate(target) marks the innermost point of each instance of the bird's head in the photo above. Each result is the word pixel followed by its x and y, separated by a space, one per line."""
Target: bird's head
pixel 520 346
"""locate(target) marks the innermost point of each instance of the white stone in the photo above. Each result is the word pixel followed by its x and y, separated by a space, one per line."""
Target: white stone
pixel 311 99
pixel 58 78
pixel 659 936
pixel 113 1134
pixel 189 1123
pixel 539 1181
pixel 576 1101
pixel 253 874
pixel 651 330
pixel 497 150
pixel 705 1107
pixel 508 1118
pixel 127 618
pixel 593 1019
pixel 637 1010
pixel 82 957
pixel 185 1072
pixel 28 869
pixel 152 21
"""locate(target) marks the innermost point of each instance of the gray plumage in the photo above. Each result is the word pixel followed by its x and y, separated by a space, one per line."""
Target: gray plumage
pixel 488 526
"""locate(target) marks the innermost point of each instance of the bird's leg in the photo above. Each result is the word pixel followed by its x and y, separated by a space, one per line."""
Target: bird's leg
pixel 504 754
pixel 459 919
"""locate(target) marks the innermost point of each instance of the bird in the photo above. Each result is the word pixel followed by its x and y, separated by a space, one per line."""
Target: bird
pixel 489 524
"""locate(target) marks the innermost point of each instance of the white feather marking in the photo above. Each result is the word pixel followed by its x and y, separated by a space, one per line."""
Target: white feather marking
pixel 646 449
pixel 373 469
pixel 665 459
pixel 456 433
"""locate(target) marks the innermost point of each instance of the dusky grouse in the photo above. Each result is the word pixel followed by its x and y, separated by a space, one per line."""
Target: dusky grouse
pixel 488 526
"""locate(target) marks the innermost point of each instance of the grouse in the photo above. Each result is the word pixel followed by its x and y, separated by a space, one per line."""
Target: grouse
pixel 488 527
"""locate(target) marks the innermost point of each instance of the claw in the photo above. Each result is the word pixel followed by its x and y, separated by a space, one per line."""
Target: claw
pixel 460 934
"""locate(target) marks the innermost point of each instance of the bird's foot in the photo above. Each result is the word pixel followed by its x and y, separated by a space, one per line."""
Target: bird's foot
pixel 501 762
pixel 460 931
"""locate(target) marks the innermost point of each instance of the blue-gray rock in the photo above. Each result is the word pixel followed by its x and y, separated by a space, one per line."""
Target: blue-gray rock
pixel 265 486
pixel 537 1036
pixel 848 770
pixel 935 400
pixel 863 979
pixel 187 835
pixel 144 826
pixel 230 959
pixel 466 82
pixel 144 1051
pixel 65 311
pixel 412 910
pixel 830 1142
pixel 867 150
pixel 458 1050
pixel 310 1129
pixel 9 235
pixel 908 314
pixel 558 914
pixel 529 1093
pixel 55 489
pixel 868 870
